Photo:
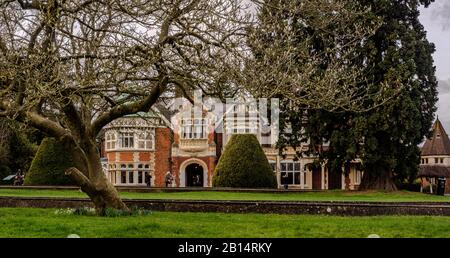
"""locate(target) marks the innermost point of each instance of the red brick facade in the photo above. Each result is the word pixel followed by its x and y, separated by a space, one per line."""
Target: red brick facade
pixel 162 154
pixel 128 166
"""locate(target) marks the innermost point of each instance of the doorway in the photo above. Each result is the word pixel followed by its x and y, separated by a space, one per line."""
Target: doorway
pixel 194 175
pixel 316 179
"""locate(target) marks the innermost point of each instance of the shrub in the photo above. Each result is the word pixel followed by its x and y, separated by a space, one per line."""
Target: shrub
pixel 244 164
pixel 49 165
pixel 17 148
pixel 409 186
pixel 4 172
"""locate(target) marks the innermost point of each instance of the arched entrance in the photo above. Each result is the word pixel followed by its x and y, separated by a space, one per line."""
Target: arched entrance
pixel 194 175
pixel 187 172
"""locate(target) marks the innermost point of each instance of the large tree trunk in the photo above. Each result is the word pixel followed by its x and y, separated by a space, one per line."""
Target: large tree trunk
pixel 89 175
pixel 102 193
pixel 377 179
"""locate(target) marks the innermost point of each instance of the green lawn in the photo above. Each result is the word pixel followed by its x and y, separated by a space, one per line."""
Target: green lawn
pixel 29 222
pixel 401 196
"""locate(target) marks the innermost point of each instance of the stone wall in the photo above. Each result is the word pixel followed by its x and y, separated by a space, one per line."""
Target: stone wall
pixel 276 207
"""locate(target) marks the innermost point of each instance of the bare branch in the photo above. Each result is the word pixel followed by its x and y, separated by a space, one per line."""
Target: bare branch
pixel 130 108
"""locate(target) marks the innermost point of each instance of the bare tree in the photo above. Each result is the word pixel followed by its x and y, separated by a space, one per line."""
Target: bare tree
pixel 304 51
pixel 68 68
pixel 4 140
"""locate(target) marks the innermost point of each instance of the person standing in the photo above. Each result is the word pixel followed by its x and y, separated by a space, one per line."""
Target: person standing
pixel 19 178
pixel 197 180
pixel 285 180
pixel 148 179
pixel 168 179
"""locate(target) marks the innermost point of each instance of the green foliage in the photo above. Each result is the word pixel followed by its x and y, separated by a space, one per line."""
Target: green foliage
pixel 244 164
pixel 409 186
pixel 399 52
pixel 17 146
pixel 4 172
pixel 49 165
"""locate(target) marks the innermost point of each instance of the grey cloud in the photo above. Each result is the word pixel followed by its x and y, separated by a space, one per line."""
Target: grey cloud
pixel 444 86
pixel 443 108
pixel 441 13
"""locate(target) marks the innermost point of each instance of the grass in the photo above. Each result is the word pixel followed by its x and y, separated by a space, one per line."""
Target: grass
pixel 32 222
pixel 370 196
pixel 29 222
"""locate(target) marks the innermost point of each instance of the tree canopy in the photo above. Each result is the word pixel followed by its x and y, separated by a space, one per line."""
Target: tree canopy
pixel 385 138
pixel 304 52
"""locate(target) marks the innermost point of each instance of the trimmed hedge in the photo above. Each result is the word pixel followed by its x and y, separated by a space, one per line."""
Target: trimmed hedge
pixel 243 164
pixel 49 165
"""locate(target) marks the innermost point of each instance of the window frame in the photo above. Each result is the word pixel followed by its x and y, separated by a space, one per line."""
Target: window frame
pixel 126 137
pixel 110 140
pixel 193 128
pixel 294 168
pixel 146 140
pixel 129 171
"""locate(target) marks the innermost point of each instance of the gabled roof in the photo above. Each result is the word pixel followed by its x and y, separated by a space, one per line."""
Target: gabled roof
pixel 230 110
pixel 439 144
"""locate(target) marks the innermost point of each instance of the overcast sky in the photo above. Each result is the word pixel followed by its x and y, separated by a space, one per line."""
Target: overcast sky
pixel 436 20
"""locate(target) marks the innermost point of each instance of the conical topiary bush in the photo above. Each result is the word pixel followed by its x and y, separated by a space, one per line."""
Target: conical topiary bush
pixel 243 164
pixel 49 165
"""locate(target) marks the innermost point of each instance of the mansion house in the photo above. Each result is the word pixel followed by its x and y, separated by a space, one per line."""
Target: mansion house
pixel 137 146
